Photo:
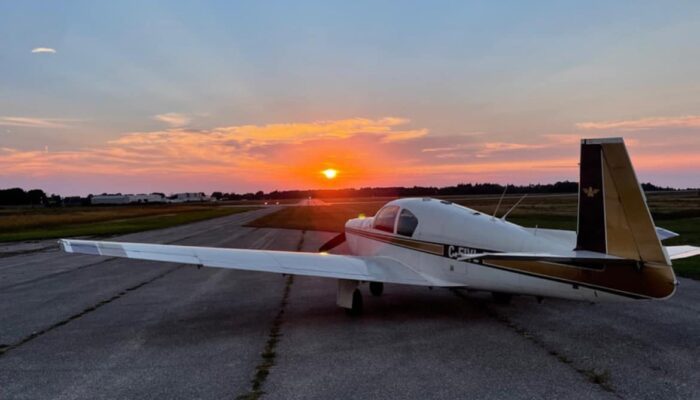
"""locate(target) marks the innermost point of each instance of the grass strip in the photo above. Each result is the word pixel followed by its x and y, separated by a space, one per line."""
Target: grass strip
pixel 119 224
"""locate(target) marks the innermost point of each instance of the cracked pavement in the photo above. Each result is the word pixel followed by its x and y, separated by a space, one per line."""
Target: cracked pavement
pixel 84 327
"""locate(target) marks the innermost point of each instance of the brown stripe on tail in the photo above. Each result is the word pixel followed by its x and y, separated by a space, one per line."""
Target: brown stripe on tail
pixel 591 207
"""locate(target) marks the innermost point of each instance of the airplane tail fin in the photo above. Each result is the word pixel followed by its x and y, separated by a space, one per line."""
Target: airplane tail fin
pixel 613 216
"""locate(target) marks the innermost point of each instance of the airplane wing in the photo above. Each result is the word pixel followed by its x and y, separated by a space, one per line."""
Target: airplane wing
pixel 678 252
pixel 374 269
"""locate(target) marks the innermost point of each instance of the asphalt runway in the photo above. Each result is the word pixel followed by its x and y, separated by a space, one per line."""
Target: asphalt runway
pixel 86 327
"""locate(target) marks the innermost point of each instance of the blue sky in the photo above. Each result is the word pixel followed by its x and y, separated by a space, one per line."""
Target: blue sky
pixel 467 73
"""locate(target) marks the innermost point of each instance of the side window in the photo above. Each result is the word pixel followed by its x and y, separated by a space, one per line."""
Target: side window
pixel 407 223
pixel 384 220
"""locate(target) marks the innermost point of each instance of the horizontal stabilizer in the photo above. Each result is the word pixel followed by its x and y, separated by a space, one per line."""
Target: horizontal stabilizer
pixel 664 234
pixel 678 252
pixel 588 257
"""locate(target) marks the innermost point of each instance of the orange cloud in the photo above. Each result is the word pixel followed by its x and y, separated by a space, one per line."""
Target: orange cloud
pixel 223 151
pixel 298 132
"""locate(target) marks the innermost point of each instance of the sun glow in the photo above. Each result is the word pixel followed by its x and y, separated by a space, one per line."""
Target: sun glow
pixel 329 173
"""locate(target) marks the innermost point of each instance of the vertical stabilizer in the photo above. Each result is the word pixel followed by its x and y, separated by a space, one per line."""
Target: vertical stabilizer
pixel 613 216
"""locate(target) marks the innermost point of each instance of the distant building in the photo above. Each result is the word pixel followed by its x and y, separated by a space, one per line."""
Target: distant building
pixel 128 198
pixel 146 198
pixel 110 199
pixel 188 197
pixel 75 201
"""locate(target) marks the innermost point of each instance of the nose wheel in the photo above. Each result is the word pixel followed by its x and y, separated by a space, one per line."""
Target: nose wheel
pixel 376 288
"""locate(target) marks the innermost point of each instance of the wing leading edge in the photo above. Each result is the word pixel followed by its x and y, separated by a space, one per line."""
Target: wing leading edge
pixel 374 269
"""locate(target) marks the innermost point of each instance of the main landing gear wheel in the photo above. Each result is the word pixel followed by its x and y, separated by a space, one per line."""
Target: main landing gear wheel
pixel 356 303
pixel 376 288
pixel 501 298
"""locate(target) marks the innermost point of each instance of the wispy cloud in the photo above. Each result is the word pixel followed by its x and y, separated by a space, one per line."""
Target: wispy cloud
pixel 563 138
pixel 689 121
pixel 222 150
pixel 505 146
pixel 404 135
pixel 34 122
pixel 442 149
pixel 173 119
pixel 483 149
pixel 44 50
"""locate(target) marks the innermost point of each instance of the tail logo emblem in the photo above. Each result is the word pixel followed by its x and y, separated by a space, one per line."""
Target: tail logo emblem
pixel 590 191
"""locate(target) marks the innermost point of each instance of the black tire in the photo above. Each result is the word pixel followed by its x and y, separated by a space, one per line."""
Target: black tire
pixel 501 298
pixel 356 303
pixel 376 288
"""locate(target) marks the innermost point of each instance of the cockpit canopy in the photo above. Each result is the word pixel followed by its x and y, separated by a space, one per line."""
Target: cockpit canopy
pixel 386 220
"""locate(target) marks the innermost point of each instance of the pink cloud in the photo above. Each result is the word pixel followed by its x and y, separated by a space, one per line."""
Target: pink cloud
pixel 690 121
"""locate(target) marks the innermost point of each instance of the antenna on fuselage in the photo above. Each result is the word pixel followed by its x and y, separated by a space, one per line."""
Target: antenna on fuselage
pixel 499 202
pixel 513 208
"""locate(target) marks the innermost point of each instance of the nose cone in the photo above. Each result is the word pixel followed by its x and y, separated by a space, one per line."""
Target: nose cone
pixel 358 223
pixel 353 223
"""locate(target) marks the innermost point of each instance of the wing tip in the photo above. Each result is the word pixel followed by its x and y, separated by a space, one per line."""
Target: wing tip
pixel 684 251
pixel 64 244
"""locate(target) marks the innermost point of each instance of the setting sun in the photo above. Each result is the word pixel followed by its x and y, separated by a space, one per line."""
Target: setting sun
pixel 329 173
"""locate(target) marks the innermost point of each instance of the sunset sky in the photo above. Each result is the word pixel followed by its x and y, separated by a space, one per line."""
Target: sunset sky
pixel 141 96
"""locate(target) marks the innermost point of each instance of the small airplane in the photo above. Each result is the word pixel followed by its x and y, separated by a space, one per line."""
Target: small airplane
pixel 615 254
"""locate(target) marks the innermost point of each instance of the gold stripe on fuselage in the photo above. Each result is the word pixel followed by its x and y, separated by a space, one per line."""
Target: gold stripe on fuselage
pixel 419 245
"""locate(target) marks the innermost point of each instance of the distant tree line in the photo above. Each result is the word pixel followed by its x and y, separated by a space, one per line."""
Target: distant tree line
pixel 37 197
pixel 417 191
pixel 17 196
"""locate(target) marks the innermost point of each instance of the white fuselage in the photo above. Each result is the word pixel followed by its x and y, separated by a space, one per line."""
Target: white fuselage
pixel 446 231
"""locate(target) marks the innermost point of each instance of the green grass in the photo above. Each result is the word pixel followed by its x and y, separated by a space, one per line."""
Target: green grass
pixel 106 221
pixel 678 212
